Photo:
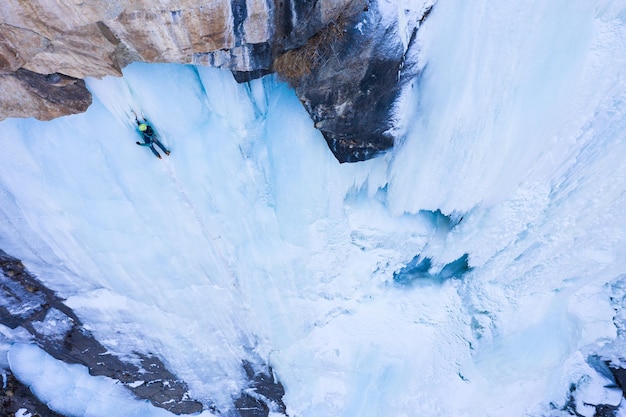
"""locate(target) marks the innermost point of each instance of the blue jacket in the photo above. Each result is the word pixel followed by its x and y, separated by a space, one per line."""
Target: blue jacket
pixel 148 136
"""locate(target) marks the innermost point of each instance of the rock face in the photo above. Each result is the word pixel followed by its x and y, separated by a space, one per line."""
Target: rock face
pixel 348 77
pixel 343 56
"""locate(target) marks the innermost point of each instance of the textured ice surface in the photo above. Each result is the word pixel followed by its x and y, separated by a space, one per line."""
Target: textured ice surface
pixel 250 241
pixel 55 325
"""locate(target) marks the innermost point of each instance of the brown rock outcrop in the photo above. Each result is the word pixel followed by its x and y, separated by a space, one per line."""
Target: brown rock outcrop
pixel 25 93
pixel 96 38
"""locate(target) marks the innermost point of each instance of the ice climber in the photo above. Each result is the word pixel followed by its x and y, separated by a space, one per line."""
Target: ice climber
pixel 149 138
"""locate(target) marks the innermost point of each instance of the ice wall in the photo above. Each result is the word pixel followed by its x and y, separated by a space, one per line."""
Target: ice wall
pixel 251 242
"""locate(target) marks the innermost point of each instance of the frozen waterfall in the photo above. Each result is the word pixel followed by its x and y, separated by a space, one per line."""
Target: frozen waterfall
pixel 250 241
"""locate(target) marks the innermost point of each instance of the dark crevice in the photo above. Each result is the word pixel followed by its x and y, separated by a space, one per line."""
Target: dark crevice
pixel 240 14
pixel 107 33
pixel 263 394
pixel 421 268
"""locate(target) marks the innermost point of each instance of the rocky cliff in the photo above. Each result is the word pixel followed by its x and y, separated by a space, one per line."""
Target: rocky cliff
pixel 345 57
